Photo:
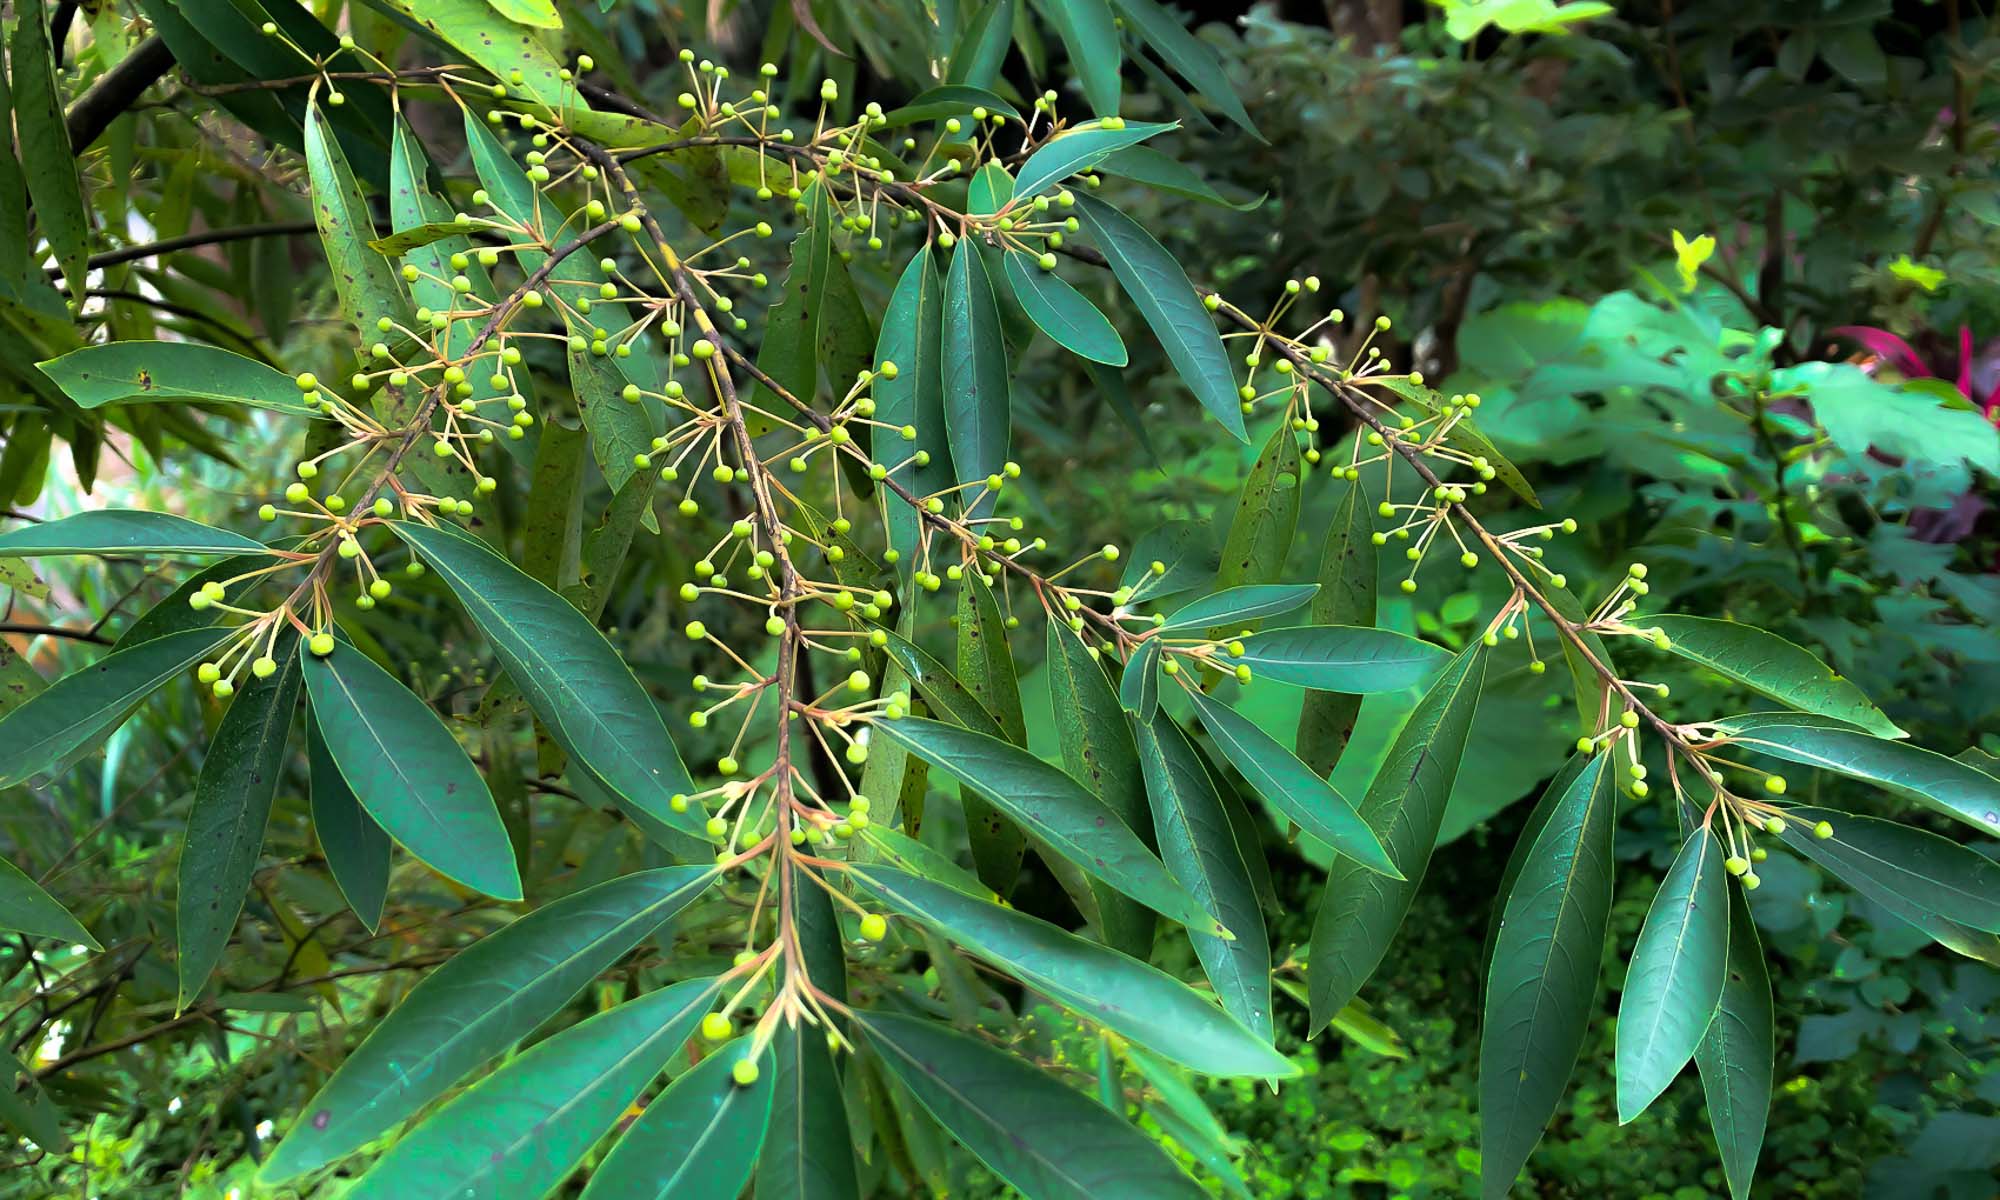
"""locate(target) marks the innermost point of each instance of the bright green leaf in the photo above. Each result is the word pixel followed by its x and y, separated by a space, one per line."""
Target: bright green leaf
pixel 1774 667
pixel 122 531
pixel 82 708
pixel 1062 312
pixel 978 403
pixel 148 372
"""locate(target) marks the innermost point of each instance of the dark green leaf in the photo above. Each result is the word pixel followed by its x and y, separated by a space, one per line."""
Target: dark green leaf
pixel 949 100
pixel 1120 992
pixel 808 1151
pixel 1199 845
pixel 1239 604
pixel 982 48
pixel 26 908
pixel 369 290
pixel 356 849
pixel 409 772
pixel 583 692
pixel 912 338
pixel 1774 667
pixel 122 531
pixel 1881 858
pixel 1267 515
pixel 1047 1140
pixel 1736 1055
pixel 1361 910
pixel 415 237
pixel 1189 55
pixel 1098 751
pixel 1139 686
pixel 1055 808
pixel 1342 658
pixel 1091 37
pixel 1160 289
pixel 1292 787
pixel 697 1140
pixel 515 1134
pixel 1542 987
pixel 25 1108
pixel 1163 172
pixel 47 158
pixel 1062 312
pixel 977 401
pixel 1944 784
pixel 1079 149
pixel 485 998
pixel 947 697
pixel 82 708
pixel 986 667
pixel 146 372
pixel 1675 976
pixel 232 805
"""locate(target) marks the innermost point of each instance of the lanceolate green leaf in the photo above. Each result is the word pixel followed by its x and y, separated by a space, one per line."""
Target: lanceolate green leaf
pixel 1091 36
pixel 1881 858
pixel 1355 659
pixel 409 772
pixel 1292 787
pixel 47 159
pixel 26 908
pixel 1078 150
pixel 978 405
pixel 1675 976
pixel 1037 1134
pixel 1542 988
pixel 1239 604
pixel 979 52
pixel 947 697
pixel 1098 751
pixel 1062 312
pixel 1120 992
pixel 122 531
pixel 986 667
pixel 1267 515
pixel 1361 910
pixel 1165 173
pixel 808 1152
pixel 232 805
pixel 583 692
pixel 82 708
pixel 356 849
pixel 816 302
pixel 368 288
pixel 1139 686
pixel 698 1139
pixel 470 1010
pixel 912 338
pixel 1187 54
pixel 515 1134
pixel 1736 1054
pixel 25 1108
pixel 948 100
pixel 1056 808
pixel 142 372
pixel 1774 667
pixel 1199 845
pixel 1160 289
pixel 1954 788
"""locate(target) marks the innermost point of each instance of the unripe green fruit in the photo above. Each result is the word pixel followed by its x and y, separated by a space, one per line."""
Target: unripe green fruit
pixel 264 667
pixel 874 928
pixel 717 827
pixel 1775 784
pixel 1774 825
pixel 1823 830
pixel 1736 865
pixel 266 512
pixel 696 631
pixel 321 644
pixel 207 673
pixel 224 689
pixel 744 1072
pixel 716 1027
pixel 727 765
pixel 1750 881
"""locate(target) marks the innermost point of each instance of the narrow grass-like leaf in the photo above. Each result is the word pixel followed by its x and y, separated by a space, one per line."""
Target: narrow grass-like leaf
pixel 1774 667
pixel 1675 976
pixel 978 403
pixel 515 1134
pixel 1954 788
pixel 1098 751
pixel 1239 604
pixel 697 1140
pixel 1037 1134
pixel 1165 298
pixel 1354 659
pixel 585 695
pixel 1542 988
pixel 1057 809
pixel 1080 149
pixel 1882 858
pixel 1062 312
pixel 1736 1055
pixel 356 849
pixel 1198 843
pixel 82 708
pixel 142 372
pixel 470 1010
pixel 409 772
pixel 1292 787
pixel 232 805
pixel 1116 990
pixel 1192 58
pixel 122 531
pixel 1361 910
pixel 26 908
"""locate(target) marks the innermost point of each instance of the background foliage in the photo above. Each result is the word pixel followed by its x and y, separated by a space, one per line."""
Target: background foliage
pixel 1794 432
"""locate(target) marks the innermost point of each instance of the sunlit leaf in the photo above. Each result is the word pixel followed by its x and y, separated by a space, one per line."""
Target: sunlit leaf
pixel 1947 785
pixel 1774 667
pixel 142 372
pixel 122 531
